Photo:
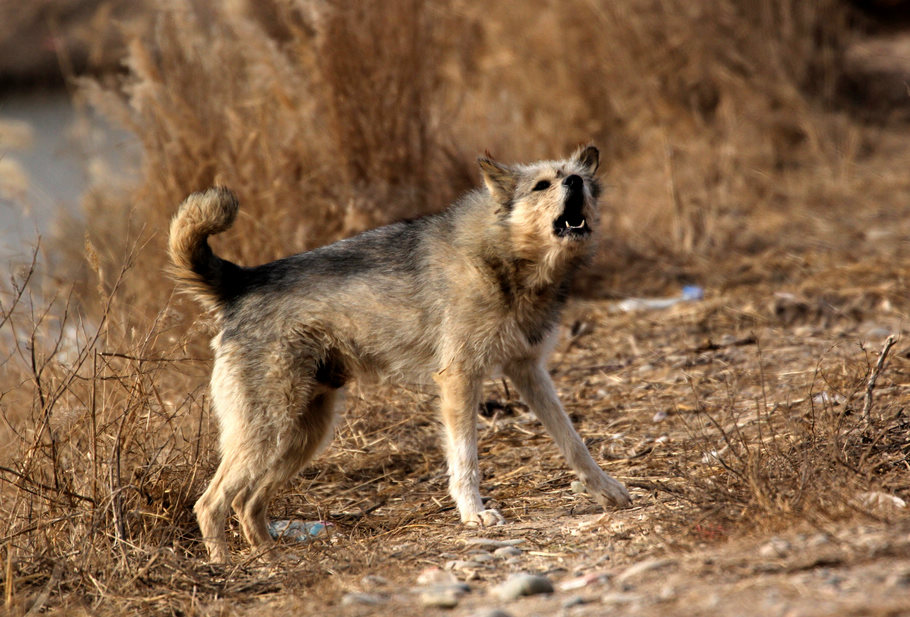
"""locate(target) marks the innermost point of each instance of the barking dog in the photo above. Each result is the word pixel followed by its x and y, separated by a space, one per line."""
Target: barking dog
pixel 452 297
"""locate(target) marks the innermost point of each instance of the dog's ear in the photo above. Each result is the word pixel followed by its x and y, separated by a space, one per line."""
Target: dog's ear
pixel 500 179
pixel 588 157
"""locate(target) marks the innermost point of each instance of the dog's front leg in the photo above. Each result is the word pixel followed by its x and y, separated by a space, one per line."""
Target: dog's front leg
pixel 536 388
pixel 459 398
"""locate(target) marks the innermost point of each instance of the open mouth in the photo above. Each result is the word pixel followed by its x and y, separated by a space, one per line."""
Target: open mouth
pixel 571 223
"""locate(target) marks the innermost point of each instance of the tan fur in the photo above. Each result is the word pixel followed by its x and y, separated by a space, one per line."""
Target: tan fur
pixel 450 299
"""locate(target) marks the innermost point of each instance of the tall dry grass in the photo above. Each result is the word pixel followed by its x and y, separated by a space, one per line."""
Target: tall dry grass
pixel 328 118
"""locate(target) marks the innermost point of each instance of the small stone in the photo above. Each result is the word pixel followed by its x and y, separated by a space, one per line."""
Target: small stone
pixel 584 580
pixel 504 552
pixel 490 544
pixel 642 567
pixel 899 579
pixel 579 488
pixel 443 596
pixel 436 576
pixel 620 598
pixel 519 585
pixel 574 601
pixel 818 539
pixel 881 503
pixel 491 612
pixel 462 564
pixel 368 599
pixel 481 556
pixel 373 580
pixel 775 548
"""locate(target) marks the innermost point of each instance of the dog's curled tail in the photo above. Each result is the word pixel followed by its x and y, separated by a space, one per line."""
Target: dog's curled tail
pixel 193 263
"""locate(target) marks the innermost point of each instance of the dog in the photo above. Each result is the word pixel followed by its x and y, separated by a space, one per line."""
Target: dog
pixel 451 298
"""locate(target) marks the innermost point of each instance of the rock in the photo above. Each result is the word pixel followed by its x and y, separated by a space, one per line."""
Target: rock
pixel 818 539
pixel 372 580
pixel 491 612
pixel 578 488
pixel 573 601
pixel 481 556
pixel 490 544
pixel 584 580
pixel 621 598
pixel 443 596
pixel 881 503
pixel 462 564
pixel 775 548
pixel 901 578
pixel 436 576
pixel 642 567
pixel 504 552
pixel 368 599
pixel 518 585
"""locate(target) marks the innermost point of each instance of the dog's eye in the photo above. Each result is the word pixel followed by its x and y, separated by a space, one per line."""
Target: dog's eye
pixel 542 185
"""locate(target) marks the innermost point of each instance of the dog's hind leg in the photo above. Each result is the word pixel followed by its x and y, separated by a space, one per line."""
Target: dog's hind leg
pixel 213 507
pixel 536 388
pixel 459 398
pixel 297 446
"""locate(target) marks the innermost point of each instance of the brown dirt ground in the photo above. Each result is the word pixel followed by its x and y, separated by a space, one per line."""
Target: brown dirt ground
pixel 642 389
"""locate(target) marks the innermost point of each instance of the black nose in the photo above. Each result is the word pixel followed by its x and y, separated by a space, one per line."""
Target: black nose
pixel 573 182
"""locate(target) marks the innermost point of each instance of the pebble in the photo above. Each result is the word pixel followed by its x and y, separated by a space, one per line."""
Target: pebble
pixel 579 488
pixel 899 579
pixel 436 576
pixel 443 596
pixel 491 612
pixel 573 601
pixel 881 503
pixel 584 580
pixel 518 585
pixel 373 580
pixel 621 598
pixel 504 552
pixel 818 539
pixel 464 565
pixel 641 567
pixel 776 547
pixel 369 599
pixel 490 544
pixel 481 556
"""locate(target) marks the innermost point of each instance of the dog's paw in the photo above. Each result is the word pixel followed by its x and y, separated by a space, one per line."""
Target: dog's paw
pixel 485 518
pixel 610 494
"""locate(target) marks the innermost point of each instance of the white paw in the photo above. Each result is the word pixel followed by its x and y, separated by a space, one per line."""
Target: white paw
pixel 610 494
pixel 484 518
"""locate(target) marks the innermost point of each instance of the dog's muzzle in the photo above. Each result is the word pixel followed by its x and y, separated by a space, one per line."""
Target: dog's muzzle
pixel 572 223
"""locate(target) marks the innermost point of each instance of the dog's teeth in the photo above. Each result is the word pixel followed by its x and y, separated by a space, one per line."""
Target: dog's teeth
pixel 567 225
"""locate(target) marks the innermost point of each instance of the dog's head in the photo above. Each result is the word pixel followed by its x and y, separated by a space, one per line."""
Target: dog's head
pixel 550 207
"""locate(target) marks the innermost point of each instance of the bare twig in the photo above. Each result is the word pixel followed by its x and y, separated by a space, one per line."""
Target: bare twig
pixel 870 386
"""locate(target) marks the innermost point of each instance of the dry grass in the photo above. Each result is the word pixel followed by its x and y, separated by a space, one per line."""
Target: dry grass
pixel 728 164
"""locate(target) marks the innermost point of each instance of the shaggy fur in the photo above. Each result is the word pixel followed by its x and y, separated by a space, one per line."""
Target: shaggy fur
pixel 451 298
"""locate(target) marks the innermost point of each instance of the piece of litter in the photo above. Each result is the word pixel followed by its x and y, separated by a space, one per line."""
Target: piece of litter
pixel 690 293
pixel 300 531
